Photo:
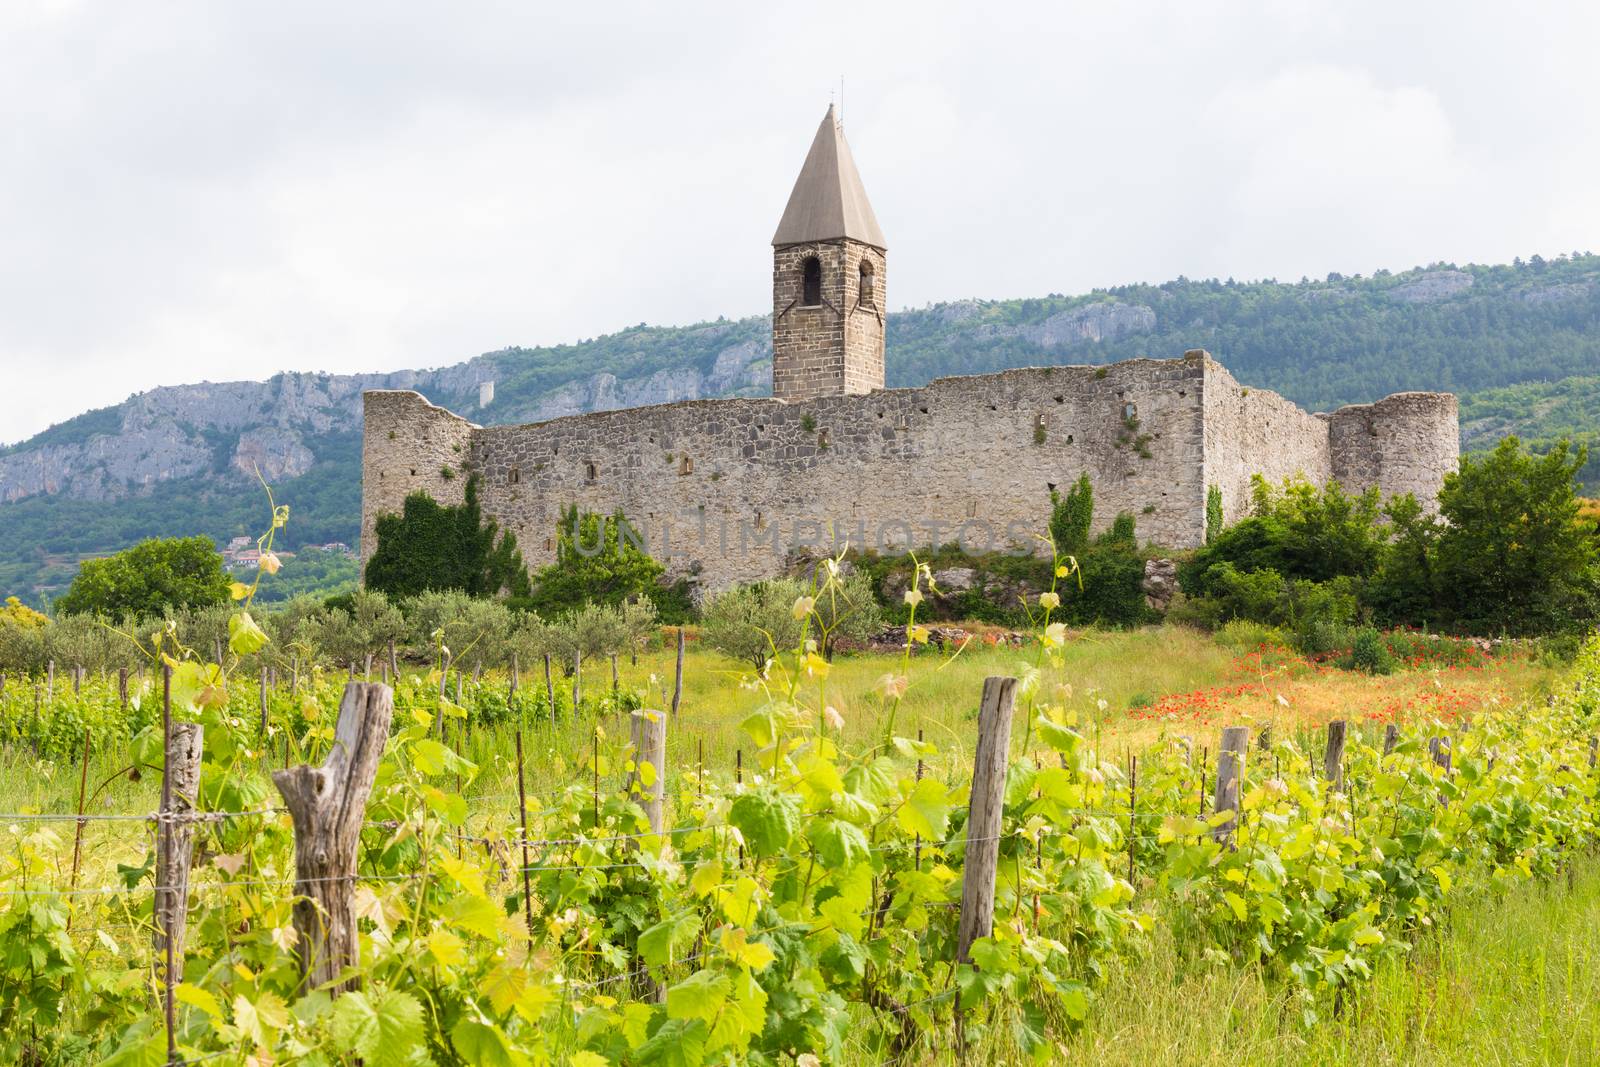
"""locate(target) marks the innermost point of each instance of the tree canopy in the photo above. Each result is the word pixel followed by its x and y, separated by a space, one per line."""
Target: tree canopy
pixel 154 577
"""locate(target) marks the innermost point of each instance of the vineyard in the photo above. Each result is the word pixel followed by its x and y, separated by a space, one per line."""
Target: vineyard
pixel 927 857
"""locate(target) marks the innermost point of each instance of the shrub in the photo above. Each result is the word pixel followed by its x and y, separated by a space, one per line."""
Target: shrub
pixel 1369 653
pixel 432 546
pixel 599 560
pixel 747 622
pixel 1071 516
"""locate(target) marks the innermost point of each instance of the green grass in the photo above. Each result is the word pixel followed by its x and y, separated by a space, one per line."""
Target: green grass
pixel 1513 979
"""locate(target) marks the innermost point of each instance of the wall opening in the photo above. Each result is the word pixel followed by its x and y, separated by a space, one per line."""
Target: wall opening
pixel 685 466
pixel 867 284
pixel 515 476
pixel 811 282
pixel 591 472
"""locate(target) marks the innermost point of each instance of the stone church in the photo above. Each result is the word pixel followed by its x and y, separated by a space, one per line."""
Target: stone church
pixel 727 491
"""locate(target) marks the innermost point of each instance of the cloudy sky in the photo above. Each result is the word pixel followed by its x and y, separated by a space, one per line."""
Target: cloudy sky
pixel 213 191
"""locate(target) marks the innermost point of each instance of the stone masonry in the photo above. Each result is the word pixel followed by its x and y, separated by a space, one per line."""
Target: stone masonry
pixel 724 490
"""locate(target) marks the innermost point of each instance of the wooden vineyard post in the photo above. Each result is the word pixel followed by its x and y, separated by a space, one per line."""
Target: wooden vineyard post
pixel 1133 807
pixel 1230 768
pixel 677 677
pixel 549 689
pixel 328 805
pixel 511 686
pixel 1594 750
pixel 616 682
pixel 77 834
pixel 1333 757
pixel 1391 738
pixel 983 814
pixel 122 687
pixel 180 787
pixel 394 663
pixel 648 790
pixel 649 736
pixel 522 820
pixel 77 680
pixel 1439 749
pixel 50 680
pixel 263 702
pixel 577 684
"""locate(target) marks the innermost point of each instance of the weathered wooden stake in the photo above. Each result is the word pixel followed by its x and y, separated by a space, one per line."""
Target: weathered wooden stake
pixel 77 680
pixel 1594 750
pixel 328 805
pixel 1439 749
pixel 1391 738
pixel 649 737
pixel 50 680
pixel 677 677
pixel 77 834
pixel 263 702
pixel 983 814
pixel 366 668
pixel 522 818
pixel 1333 757
pixel 122 686
pixel 1230 767
pixel 577 684
pixel 1133 807
pixel 549 689
pixel 180 787
pixel 394 662
pixel 615 682
pixel 918 837
pixel 511 691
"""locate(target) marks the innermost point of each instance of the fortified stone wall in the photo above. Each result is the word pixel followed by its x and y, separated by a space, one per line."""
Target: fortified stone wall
pixel 1404 443
pixel 1253 431
pixel 408 444
pixel 723 490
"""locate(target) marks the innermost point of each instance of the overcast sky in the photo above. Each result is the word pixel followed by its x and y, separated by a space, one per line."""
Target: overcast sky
pixel 214 191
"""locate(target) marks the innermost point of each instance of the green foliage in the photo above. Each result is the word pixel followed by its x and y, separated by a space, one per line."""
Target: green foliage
pixel 311 572
pixel 1213 513
pixel 751 622
pixel 154 577
pixel 1071 516
pixel 1369 652
pixel 1512 555
pixel 598 560
pixel 432 546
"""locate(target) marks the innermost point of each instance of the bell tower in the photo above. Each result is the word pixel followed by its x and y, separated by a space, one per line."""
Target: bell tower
pixel 828 279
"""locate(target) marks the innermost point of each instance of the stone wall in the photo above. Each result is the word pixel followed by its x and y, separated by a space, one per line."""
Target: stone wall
pixel 1254 431
pixel 409 444
pixel 724 490
pixel 1404 443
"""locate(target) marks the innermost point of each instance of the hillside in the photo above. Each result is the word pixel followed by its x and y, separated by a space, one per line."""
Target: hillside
pixel 1514 340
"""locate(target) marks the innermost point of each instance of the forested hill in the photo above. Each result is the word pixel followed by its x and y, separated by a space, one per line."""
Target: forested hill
pixel 175 460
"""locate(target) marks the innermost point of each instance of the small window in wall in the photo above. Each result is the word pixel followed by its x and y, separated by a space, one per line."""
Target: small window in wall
pixel 1130 411
pixel 822 438
pixel 867 287
pixel 591 472
pixel 515 476
pixel 811 282
pixel 685 465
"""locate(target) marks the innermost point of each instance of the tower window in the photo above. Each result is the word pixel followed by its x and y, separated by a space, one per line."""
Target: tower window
pixel 515 476
pixel 685 465
pixel 811 281
pixel 590 472
pixel 866 284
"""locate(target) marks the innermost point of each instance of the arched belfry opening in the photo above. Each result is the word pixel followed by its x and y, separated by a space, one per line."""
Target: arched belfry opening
pixel 822 345
pixel 811 282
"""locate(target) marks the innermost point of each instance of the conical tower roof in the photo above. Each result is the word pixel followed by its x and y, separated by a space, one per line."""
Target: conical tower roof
pixel 828 201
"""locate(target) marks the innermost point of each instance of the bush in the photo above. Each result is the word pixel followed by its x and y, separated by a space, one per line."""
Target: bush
pixel 154 577
pixel 432 546
pixel 1071 516
pixel 1369 653
pixel 748 622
